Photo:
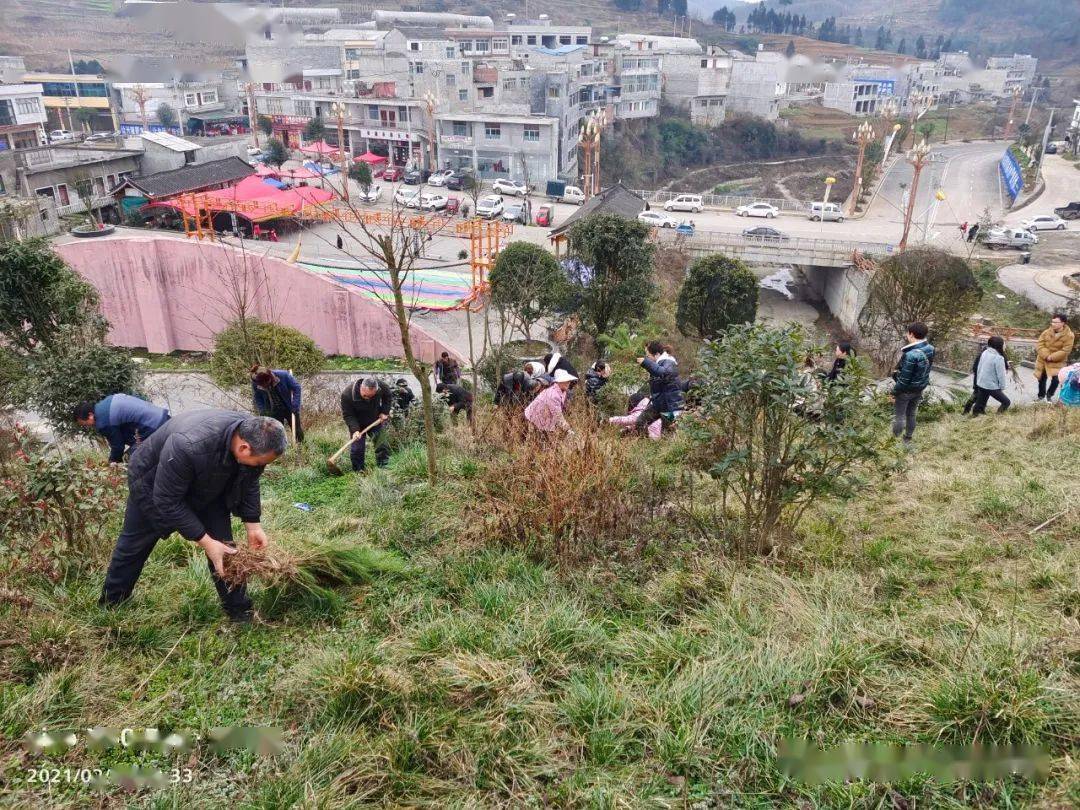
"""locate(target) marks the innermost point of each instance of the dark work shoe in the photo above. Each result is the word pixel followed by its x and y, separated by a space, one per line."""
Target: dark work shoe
pixel 242 616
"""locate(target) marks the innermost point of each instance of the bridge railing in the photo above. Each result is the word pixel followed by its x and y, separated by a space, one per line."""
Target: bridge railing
pixel 728 201
pixel 718 240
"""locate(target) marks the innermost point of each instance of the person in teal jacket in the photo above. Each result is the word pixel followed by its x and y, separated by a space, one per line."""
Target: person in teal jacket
pixel 910 379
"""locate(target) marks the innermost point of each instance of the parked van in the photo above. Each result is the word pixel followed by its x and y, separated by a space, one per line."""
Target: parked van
pixel 826 212
pixel 685 202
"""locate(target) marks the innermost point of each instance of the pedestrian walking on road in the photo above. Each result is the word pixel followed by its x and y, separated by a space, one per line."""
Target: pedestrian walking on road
pixel 963 230
pixel 340 243
pixel 973 231
pixel 191 476
pixel 1053 350
pixel 276 393
pixel 991 369
pixel 123 420
pixel 910 378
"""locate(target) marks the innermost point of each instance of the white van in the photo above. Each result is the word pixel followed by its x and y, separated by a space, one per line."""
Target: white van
pixel 685 202
pixel 826 212
pixel 573 195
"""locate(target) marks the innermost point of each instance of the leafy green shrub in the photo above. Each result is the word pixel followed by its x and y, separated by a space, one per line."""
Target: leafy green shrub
pixel 492 366
pixel 406 430
pixel 717 293
pixel 245 343
pixel 54 509
pixel 776 436
pixel 77 368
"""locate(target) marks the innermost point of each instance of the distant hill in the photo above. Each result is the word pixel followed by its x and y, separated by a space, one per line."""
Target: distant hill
pixel 1049 29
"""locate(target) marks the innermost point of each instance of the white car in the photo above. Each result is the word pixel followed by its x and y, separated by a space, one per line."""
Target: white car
pixel 433 202
pixel 657 219
pixel 1045 222
pixel 408 196
pixel 515 188
pixel 61 136
pixel 758 209
pixel 439 178
pixel 252 151
pixel 101 136
pixel 372 194
pixel 686 202
pixel 490 206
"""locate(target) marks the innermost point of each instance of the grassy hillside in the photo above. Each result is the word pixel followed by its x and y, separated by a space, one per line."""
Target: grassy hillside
pixel 925 611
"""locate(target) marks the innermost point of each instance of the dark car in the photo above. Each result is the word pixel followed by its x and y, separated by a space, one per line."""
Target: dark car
pixel 765 234
pixel 460 181
pixel 1070 211
pixel 392 173
pixel 415 177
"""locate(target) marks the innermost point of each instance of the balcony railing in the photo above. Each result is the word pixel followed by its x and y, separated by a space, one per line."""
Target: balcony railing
pixel 76 205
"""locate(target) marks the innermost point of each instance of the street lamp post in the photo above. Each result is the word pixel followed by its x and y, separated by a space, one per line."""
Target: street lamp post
pixel 338 109
pixel 920 103
pixel 829 183
pixel 862 136
pixel 918 157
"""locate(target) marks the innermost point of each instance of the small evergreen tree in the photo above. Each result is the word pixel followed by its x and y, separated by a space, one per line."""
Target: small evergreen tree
pixel 276 153
pixel 718 292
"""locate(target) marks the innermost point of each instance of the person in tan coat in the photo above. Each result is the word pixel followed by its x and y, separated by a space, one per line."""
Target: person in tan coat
pixel 1055 345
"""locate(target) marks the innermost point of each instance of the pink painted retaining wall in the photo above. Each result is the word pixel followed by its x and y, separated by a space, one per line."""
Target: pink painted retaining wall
pixel 165 294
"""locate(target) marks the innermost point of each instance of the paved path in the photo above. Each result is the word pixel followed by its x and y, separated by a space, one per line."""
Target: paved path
pixel 1042 286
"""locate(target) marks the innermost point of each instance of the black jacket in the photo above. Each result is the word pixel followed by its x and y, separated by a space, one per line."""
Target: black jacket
pixel 593 383
pixel 838 365
pixel 448 372
pixel 560 361
pixel 186 466
pixel 665 390
pixel 358 412
pixel 403 398
pixel 516 388
pixel 458 397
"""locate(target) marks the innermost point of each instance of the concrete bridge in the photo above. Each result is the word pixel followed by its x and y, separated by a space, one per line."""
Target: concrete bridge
pixel 798 251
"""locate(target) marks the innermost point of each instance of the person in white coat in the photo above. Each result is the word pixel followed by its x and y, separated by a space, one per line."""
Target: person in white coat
pixel 991 376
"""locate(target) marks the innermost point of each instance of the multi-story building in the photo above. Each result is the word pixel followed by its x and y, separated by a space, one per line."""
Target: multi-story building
pixel 1020 70
pixel 22 116
pixel 758 84
pixel 678 60
pixel 854 96
pixel 55 172
pixel 187 99
pixel 76 102
pixel 709 106
pixel 499 144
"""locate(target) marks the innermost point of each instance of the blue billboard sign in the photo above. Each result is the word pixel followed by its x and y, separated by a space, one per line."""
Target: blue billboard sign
pixel 1011 176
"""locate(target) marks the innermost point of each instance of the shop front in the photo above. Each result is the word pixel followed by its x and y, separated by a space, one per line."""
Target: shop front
pixel 289 129
pixel 400 147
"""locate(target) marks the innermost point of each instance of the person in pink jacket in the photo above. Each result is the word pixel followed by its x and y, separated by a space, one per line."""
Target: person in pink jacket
pixel 630 420
pixel 545 413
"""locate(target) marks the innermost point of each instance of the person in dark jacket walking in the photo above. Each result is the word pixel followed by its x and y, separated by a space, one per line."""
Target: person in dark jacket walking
pixel 973 232
pixel 910 379
pixel 843 353
pixel 665 388
pixel 447 370
pixel 191 476
pixel 277 393
pixel 596 378
pixel 363 403
pixel 123 420
pixel 991 370
pixel 458 397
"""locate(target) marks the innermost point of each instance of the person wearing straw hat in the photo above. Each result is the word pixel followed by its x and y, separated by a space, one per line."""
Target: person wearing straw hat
pixel 545 413
pixel 277 393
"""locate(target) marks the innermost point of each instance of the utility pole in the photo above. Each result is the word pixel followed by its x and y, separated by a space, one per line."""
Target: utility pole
pixel 253 114
pixel 1034 95
pixel 338 109
pixel 918 158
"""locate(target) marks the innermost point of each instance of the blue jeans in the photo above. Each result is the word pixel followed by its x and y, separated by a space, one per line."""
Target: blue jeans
pixel 905 407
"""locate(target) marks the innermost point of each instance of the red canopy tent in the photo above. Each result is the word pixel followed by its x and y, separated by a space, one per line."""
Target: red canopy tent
pixel 370 158
pixel 262 170
pixel 299 173
pixel 320 148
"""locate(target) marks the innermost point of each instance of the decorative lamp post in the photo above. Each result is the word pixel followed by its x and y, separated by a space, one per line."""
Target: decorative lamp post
pixel 920 104
pixel 862 136
pixel 338 109
pixel 829 183
pixel 918 157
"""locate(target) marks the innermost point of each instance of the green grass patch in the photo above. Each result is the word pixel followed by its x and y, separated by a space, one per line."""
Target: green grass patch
pixel 1002 306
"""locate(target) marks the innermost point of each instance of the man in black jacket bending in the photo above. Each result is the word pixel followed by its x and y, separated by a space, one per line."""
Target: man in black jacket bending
pixel 190 476
pixel 363 403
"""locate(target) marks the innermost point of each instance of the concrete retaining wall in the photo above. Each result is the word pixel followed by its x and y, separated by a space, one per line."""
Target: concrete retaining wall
pixel 842 289
pixel 166 294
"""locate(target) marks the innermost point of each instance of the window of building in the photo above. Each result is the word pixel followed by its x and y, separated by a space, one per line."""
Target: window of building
pixel 463 95
pixel 451 80
pixel 509 84
pixel 492 132
pixel 524 82
pixel 7 114
pixel 274 106
pixel 460 128
pixel 417 68
pixel 450 52
pixel 27 106
pixel 352 53
pixel 93 90
pixel 352 73
pixel 531 39
pixel 303 107
pixel 414 46
pixel 483 45
pixel 565 40
pixel 373 112
pixel 58 88
pixel 209 97
pixel 499 45
pixel 515 39
pixel 553 92
pixel 704 63
pixel 465 68
pixel 62 194
pixel 487 92
pixel 582 40
pixel 466 45
pixel 531 133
